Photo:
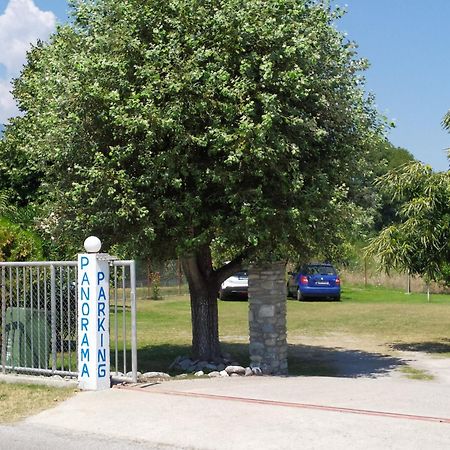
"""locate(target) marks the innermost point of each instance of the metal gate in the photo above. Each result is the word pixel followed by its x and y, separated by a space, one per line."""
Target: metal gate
pixel 39 318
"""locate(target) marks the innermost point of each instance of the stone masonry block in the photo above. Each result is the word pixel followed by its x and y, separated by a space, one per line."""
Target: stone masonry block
pixel 266 311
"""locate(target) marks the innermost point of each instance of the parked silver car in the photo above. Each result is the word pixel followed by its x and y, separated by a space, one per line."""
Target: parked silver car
pixel 235 287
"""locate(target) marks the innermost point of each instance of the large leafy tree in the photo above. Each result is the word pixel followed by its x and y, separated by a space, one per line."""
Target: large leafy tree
pixel 180 126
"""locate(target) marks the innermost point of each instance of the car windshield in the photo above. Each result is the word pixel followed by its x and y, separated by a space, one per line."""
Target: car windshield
pixel 319 270
pixel 241 274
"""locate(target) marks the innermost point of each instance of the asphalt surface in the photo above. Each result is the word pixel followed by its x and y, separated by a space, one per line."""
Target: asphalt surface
pixel 388 412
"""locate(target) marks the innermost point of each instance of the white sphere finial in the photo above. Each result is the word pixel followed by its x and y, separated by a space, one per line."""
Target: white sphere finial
pixel 92 244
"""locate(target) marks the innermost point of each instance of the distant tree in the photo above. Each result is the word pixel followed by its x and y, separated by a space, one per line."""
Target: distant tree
pixel 370 206
pixel 385 157
pixel 178 127
pixel 420 242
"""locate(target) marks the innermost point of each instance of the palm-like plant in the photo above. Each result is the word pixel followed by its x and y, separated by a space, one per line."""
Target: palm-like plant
pixel 420 242
pixel 446 125
pixel 23 216
pixel 446 121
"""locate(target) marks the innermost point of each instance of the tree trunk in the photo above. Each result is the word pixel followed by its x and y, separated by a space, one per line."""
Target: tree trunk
pixel 204 283
pixel 203 289
pixel 205 324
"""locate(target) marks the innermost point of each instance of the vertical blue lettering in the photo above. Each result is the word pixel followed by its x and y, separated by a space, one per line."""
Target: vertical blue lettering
pixel 86 294
pixel 85 354
pixel 85 340
pixel 85 279
pixel 100 277
pixel 101 370
pixel 84 323
pixel 84 261
pixel 85 309
pixel 101 309
pixel 101 356
pixel 85 370
pixel 100 323
pixel 101 294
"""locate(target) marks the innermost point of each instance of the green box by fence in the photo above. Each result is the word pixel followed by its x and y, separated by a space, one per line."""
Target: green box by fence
pixel 28 338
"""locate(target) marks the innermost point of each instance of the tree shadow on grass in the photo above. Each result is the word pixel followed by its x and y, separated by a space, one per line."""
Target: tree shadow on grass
pixel 151 358
pixel 425 347
pixel 310 360
pixel 303 360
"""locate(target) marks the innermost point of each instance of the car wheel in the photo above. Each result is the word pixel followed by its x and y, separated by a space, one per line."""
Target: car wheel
pixel 337 298
pixel 222 295
pixel 299 296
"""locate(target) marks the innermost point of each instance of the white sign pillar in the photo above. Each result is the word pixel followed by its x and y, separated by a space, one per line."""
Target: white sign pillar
pixel 93 318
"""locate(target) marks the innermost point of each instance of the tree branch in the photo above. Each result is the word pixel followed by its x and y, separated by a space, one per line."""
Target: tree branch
pixel 233 266
pixel 191 270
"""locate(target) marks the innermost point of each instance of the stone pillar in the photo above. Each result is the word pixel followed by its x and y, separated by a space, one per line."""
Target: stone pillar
pixel 267 318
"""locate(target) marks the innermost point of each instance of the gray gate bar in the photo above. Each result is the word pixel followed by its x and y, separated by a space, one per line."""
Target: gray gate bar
pixel 122 266
pixel 4 319
pixel 39 264
pixel 53 313
pixel 133 321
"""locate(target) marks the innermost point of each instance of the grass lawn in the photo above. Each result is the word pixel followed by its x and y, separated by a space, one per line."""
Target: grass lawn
pixel 21 400
pixel 373 318
pixel 385 315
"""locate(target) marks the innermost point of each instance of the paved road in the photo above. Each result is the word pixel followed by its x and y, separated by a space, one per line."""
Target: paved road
pixel 24 437
pixel 246 413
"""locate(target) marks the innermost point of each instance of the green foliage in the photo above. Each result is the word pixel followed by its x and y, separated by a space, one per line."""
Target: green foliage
pixel 384 158
pixel 387 157
pixel 17 240
pixel 172 125
pixel 23 216
pixel 420 243
pixel 18 244
pixel 19 175
pixel 366 208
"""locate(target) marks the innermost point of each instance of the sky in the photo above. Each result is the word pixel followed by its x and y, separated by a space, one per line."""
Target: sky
pixel 407 43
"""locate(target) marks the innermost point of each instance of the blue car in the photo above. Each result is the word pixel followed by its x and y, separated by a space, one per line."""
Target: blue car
pixel 314 281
